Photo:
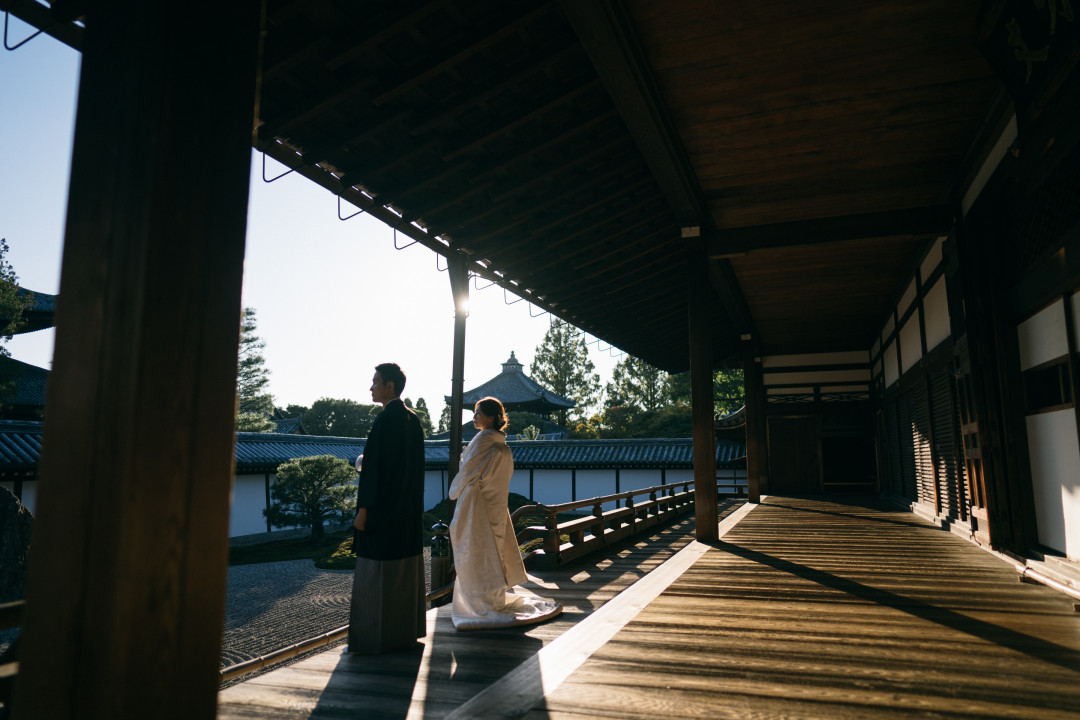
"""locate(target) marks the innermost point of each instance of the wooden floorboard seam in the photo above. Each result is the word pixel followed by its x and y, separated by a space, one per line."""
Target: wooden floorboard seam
pixel 523 687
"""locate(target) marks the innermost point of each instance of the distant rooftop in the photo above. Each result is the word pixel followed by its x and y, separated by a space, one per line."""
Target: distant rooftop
pixel 517 391
pixel 20 445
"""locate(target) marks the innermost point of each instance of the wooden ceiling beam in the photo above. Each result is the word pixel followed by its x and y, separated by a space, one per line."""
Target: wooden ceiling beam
pixel 605 149
pixel 530 213
pixel 606 199
pixel 382 90
pixel 538 107
pixel 548 249
pixel 485 170
pixel 376 33
pixel 933 220
pixel 584 247
pixel 455 56
pixel 607 33
pixel 507 78
pixel 448 199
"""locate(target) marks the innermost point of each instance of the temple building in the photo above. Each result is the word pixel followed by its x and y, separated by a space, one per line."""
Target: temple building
pixel 516 391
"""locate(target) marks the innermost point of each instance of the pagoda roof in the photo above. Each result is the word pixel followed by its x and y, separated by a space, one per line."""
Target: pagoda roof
pixel 517 391
pixel 39 311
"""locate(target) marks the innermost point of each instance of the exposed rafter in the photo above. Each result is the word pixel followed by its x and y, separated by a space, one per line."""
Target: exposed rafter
pixel 607 33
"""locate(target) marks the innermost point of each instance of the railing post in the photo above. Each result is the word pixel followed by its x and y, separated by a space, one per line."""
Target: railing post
pixel 551 538
pixel 598 527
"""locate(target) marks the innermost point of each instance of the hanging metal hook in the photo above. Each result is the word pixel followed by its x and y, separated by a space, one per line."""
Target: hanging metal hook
pixel 274 178
pixel 350 216
pixel 505 300
pixel 20 43
pixel 402 247
pixel 531 312
pixel 476 285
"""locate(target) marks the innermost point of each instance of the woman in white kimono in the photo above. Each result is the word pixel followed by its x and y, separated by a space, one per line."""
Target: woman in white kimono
pixel 486 554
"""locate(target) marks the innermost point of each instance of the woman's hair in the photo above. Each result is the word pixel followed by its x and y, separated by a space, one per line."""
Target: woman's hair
pixel 493 408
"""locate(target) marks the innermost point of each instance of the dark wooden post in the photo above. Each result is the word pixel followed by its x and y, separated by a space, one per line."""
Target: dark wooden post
pixel 701 390
pixel 126 588
pixel 756 445
pixel 459 286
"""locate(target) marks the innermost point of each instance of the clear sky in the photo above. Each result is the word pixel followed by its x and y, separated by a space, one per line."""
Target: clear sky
pixel 332 298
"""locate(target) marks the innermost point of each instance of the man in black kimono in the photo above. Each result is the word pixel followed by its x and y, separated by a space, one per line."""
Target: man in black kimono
pixel 388 604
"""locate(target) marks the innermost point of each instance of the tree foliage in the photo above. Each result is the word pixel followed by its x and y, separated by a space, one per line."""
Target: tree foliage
pixel 644 402
pixel 561 364
pixel 636 382
pixel 292 411
pixel 254 405
pixel 421 410
pixel 12 307
pixel 444 419
pixel 728 391
pixel 310 491
pixel 339 418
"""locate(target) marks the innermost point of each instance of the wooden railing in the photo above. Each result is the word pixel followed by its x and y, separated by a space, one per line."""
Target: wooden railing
pixel 10 617
pixel 601 527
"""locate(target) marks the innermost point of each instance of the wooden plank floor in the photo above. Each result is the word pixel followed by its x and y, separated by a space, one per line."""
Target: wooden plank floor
pixel 806 608
pixel 450 667
pixel 810 608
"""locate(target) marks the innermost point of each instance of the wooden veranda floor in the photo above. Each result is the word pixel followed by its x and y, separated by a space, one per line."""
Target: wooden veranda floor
pixel 805 608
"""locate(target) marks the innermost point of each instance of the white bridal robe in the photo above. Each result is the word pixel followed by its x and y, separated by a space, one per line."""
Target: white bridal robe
pixel 486 554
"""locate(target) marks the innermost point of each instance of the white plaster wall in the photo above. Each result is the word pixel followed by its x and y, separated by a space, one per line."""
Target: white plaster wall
pixel 435 488
pixel 892 370
pixel 1055 475
pixel 932 259
pixel 29 491
pixel 910 342
pixel 821 377
pixel 551 487
pixel 790 391
pixel 594 483
pixel 841 358
pixel 907 298
pixel 936 307
pixel 519 482
pixel 1042 336
pixel 677 476
pixel 1075 300
pixel 248 502
pixel 634 479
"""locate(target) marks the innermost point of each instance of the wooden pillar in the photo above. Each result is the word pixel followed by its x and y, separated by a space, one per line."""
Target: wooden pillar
pixel 126 586
pixel 459 286
pixel 756 445
pixel 701 390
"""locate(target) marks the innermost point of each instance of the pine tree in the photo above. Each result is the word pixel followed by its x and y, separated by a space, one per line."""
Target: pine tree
pixel 254 405
pixel 444 419
pixel 636 382
pixel 310 491
pixel 12 306
pixel 422 412
pixel 561 364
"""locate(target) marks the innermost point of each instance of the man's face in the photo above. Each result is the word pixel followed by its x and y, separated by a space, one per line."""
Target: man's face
pixel 381 392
